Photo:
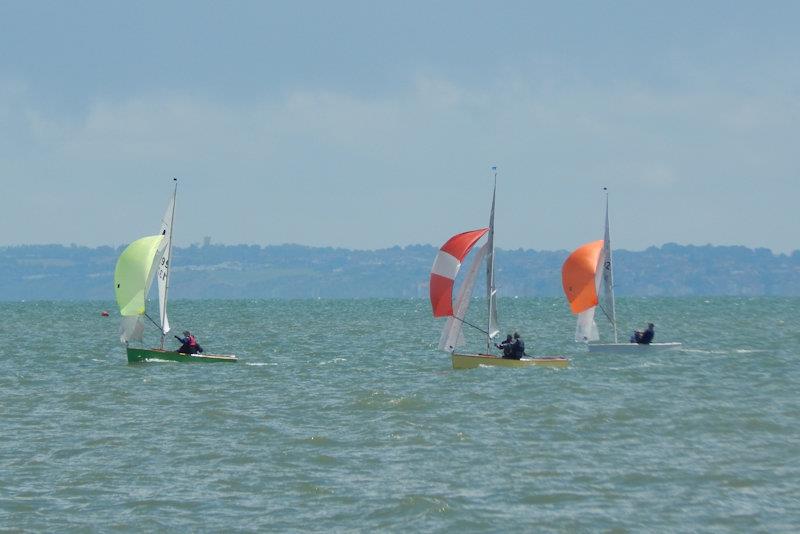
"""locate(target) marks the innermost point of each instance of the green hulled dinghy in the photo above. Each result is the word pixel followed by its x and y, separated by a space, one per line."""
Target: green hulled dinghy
pixel 139 263
pixel 136 355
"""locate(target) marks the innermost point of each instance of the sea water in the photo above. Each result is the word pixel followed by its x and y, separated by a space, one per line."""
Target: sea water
pixel 342 416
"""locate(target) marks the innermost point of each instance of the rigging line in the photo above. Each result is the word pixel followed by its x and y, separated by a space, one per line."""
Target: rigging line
pixel 602 309
pixel 152 321
pixel 470 324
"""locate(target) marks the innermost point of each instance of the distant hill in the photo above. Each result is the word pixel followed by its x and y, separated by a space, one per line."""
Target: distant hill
pixel 56 272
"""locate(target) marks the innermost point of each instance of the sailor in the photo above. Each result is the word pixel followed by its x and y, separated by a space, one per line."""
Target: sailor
pixel 507 347
pixel 518 347
pixel 189 343
pixel 644 337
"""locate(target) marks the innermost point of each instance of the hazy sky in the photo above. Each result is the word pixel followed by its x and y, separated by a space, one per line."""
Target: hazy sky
pixel 369 124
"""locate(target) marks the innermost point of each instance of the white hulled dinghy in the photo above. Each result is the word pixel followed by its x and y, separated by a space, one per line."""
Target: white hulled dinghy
pixel 443 274
pixel 588 281
pixel 137 265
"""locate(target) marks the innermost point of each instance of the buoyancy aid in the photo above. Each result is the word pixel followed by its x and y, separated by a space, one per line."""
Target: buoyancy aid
pixel 519 349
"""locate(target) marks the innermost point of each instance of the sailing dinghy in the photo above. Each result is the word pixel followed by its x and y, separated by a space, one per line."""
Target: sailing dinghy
pixel 588 280
pixel 137 265
pixel 443 274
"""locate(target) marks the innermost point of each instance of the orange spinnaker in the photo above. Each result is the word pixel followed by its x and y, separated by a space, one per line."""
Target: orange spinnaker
pixel 578 276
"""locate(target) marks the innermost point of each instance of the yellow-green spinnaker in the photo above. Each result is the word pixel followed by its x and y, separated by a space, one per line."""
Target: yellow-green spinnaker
pixel 134 273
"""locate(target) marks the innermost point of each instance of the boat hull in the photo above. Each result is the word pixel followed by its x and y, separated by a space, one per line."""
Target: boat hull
pixel 625 348
pixel 471 361
pixel 136 355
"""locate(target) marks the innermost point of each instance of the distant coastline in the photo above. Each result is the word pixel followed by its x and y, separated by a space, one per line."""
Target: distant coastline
pixel 58 272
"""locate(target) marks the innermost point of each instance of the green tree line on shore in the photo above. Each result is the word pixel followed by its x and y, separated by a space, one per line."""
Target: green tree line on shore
pixel 57 272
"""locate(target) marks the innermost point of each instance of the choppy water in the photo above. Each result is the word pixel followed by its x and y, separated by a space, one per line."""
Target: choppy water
pixel 342 416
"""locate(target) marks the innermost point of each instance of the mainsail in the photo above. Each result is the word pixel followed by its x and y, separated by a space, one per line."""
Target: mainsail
pixel 452 333
pixel 580 279
pixel 163 264
pixel 607 295
pixel 491 291
pixel 446 267
pixel 133 276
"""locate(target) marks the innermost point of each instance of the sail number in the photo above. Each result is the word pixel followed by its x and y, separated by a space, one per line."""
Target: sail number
pixel 162 270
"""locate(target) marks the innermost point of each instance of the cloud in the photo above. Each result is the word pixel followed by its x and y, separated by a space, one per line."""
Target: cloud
pixel 353 157
pixel 166 126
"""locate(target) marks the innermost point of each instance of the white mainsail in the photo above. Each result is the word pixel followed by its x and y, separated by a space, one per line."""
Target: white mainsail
pixel 452 333
pixel 163 266
pixel 491 292
pixel 607 268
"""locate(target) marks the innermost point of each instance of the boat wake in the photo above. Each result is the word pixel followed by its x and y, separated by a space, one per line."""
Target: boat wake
pixel 704 351
pixel 640 364
pixel 335 360
pixel 723 352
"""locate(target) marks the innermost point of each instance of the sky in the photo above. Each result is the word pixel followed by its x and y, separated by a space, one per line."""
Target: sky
pixel 369 124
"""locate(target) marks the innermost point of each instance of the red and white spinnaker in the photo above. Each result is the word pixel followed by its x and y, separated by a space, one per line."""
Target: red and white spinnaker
pixel 443 274
pixel 446 267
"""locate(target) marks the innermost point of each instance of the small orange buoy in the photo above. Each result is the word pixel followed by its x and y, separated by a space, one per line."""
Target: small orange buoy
pixel 103 313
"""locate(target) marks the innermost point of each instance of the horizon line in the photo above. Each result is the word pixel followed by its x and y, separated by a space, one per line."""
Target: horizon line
pixel 339 247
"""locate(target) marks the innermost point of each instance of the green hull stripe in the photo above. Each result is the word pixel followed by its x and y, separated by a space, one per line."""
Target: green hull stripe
pixel 143 355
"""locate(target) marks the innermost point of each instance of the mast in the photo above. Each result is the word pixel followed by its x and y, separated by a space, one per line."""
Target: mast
pixel 491 291
pixel 169 258
pixel 608 271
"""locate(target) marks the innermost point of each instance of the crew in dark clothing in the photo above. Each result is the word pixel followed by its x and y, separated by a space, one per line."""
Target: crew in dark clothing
pixel 507 347
pixel 519 347
pixel 644 337
pixel 189 344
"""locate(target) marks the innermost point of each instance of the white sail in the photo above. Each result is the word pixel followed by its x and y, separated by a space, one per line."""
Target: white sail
pixel 452 333
pixel 491 292
pixel 163 266
pixel 586 328
pixel 131 328
pixel 606 267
